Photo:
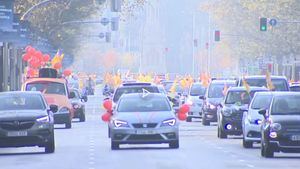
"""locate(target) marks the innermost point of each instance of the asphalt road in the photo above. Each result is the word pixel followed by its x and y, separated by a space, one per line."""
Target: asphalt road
pixel 86 146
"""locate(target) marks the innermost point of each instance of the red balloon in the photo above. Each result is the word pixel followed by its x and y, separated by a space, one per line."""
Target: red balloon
pixel 67 72
pixel 28 48
pixel 182 116
pixel 30 72
pixel 26 57
pixel 31 51
pixel 184 108
pixel 57 66
pixel 39 55
pixel 107 104
pixel 106 117
pixel 46 58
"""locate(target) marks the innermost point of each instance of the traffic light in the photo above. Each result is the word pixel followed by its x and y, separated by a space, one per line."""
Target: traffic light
pixel 217 36
pixel 263 24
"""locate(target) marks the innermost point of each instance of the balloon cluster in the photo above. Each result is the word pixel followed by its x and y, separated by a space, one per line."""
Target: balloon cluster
pixel 107 104
pixel 182 113
pixel 35 59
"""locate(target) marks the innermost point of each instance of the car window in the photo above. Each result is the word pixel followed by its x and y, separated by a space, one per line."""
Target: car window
pixel 125 90
pixel 237 97
pixel 295 88
pixel 140 104
pixel 261 102
pixel 216 90
pixel 286 105
pixel 47 87
pixel 197 90
pixel 21 102
pixel 279 84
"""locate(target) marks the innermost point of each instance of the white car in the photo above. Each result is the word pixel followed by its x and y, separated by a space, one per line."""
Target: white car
pixel 252 119
pixel 196 90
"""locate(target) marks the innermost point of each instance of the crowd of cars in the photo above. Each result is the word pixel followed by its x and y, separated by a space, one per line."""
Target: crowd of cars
pixel 27 117
pixel 259 109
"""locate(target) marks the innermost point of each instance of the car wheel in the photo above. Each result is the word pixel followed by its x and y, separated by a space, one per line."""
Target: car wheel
pixel 222 134
pixel 50 146
pixel 247 144
pixel 115 146
pixel 174 144
pixel 82 117
pixel 205 122
pixel 69 124
pixel 188 119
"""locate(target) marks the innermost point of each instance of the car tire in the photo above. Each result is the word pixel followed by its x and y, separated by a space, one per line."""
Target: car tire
pixel 247 144
pixel 188 119
pixel 50 146
pixel 205 122
pixel 174 144
pixel 115 145
pixel 68 124
pixel 222 134
pixel 82 117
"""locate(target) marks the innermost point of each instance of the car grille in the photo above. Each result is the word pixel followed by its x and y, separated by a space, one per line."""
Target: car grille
pixel 237 116
pixel 16 125
pixel 289 143
pixel 291 128
pixel 145 137
pixel 144 125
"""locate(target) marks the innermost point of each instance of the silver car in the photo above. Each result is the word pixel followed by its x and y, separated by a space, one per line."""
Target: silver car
pixel 196 90
pixel 252 119
pixel 141 118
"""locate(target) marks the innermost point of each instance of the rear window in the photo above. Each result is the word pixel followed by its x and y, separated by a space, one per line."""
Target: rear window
pixel 217 90
pixel 237 97
pixel 21 102
pixel 139 89
pixel 279 84
pixel 47 88
pixel 197 90
pixel 139 104
pixel 261 102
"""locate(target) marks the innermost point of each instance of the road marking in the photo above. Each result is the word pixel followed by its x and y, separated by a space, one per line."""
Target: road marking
pixel 241 160
pixel 250 166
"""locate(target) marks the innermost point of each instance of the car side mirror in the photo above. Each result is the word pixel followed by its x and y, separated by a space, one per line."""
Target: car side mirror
pixel 263 112
pixel 202 97
pixel 243 109
pixel 72 95
pixel 84 98
pixel 53 108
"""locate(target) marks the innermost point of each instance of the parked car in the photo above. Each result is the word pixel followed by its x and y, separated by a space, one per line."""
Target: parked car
pixel 56 92
pixel 212 98
pixel 252 119
pixel 26 120
pixel 280 83
pixel 231 110
pixel 130 123
pixel 78 103
pixel 196 90
pixel 281 125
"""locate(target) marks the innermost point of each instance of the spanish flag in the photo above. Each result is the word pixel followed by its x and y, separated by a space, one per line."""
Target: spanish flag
pixel 246 85
pixel 270 85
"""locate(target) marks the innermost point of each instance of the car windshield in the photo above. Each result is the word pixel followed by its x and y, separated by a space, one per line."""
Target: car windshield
pixel 261 102
pixel 217 90
pixel 139 104
pixel 197 90
pixel 178 88
pixel 47 88
pixel 286 105
pixel 279 84
pixel 237 97
pixel 21 102
pixel 127 90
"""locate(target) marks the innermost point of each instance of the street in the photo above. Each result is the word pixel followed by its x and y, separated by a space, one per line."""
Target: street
pixel 86 146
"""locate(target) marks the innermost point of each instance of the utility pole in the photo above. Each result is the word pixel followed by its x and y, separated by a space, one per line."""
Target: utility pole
pixel 209 43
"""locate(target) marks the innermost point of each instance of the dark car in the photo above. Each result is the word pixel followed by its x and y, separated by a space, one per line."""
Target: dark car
pixel 213 97
pixel 26 120
pixel 78 103
pixel 295 87
pixel 280 83
pixel 281 125
pixel 231 110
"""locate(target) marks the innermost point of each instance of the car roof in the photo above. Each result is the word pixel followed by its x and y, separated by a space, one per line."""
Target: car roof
pixel 149 95
pixel 244 89
pixel 21 92
pixel 286 94
pixel 223 82
pixel 263 77
pixel 57 80
pixel 264 93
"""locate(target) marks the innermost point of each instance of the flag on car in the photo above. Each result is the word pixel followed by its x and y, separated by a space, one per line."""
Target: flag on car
pixel 270 85
pixel 246 85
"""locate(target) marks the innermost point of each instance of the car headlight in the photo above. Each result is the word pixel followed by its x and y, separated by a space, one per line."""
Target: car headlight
pixel 211 106
pixel 169 122
pixel 275 126
pixel 63 110
pixel 120 123
pixel 45 119
pixel 227 112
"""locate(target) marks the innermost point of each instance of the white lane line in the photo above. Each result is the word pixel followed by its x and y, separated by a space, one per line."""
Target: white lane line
pixel 225 151
pixel 250 165
pixel 241 160
pixel 91 162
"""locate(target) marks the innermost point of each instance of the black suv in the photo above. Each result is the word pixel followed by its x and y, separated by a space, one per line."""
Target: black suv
pixel 281 125
pixel 26 120
pixel 231 110
pixel 213 97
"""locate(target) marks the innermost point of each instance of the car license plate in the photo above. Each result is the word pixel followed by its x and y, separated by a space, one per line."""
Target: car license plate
pixel 17 133
pixel 295 138
pixel 142 132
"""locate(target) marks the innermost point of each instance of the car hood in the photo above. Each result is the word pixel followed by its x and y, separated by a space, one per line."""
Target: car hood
pixel 144 117
pixel 21 114
pixel 195 99
pixel 214 101
pixel 286 119
pixel 59 100
pixel 254 115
